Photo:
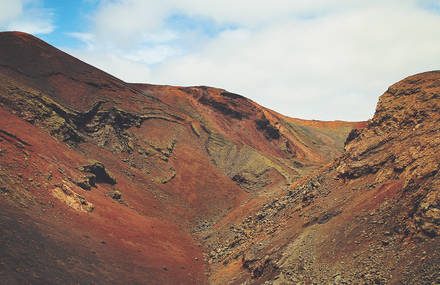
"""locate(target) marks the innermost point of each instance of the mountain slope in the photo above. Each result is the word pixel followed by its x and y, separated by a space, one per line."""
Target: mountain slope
pixel 105 181
pixel 371 217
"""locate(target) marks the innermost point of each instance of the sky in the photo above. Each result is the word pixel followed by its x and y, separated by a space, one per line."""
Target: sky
pixel 310 59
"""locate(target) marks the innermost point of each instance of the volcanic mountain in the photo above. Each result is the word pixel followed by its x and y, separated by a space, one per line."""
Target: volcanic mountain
pixel 109 182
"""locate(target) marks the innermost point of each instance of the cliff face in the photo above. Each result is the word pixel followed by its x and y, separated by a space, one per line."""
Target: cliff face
pixel 401 145
pixel 108 182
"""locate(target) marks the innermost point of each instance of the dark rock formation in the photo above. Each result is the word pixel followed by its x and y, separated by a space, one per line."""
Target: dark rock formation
pixel 101 175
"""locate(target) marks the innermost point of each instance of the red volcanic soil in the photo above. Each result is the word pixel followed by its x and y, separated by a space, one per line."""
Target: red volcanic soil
pixel 67 80
pixel 76 244
pixel 104 181
pixel 118 181
pixel 168 169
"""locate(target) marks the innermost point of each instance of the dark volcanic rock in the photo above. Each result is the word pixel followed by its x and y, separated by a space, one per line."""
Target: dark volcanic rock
pixel 101 174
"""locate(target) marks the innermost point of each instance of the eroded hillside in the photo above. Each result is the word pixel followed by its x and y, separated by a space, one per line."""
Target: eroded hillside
pixel 104 181
pixel 108 182
pixel 371 217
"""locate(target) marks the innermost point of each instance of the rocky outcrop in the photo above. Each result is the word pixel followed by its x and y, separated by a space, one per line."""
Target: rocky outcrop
pixel 103 124
pixel 270 132
pixel 401 143
pixel 99 173
pixel 74 200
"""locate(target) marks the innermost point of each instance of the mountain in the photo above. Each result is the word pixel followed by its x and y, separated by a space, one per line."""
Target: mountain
pixel 109 182
pixel 104 181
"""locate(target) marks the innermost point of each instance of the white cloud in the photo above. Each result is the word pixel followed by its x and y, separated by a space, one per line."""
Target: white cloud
pixel 128 20
pixel 25 16
pixel 36 26
pixel 10 9
pixel 114 63
pixel 321 59
pixel 87 38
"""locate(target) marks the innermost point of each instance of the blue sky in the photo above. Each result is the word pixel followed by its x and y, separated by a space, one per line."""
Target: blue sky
pixel 313 59
pixel 67 16
pixel 75 16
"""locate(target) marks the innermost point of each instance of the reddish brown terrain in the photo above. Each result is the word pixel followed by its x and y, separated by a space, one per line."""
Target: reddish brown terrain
pixel 108 182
